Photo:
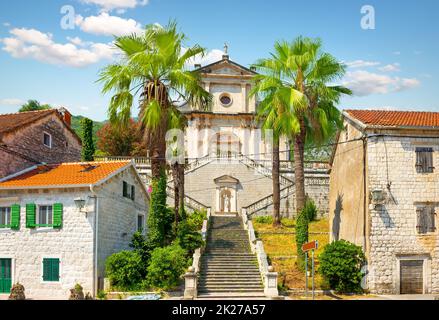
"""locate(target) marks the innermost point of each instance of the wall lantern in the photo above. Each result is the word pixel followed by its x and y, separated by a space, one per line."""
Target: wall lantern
pixel 80 203
pixel 377 196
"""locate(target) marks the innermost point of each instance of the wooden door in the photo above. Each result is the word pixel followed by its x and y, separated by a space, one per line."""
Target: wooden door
pixel 412 276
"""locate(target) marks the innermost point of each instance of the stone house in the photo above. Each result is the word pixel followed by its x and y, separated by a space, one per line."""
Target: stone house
pixel 59 223
pixel 384 196
pixel 35 137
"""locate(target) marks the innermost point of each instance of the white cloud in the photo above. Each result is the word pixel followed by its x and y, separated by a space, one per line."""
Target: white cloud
pixel 361 64
pixel 210 57
pixel 34 44
pixel 394 67
pixel 364 83
pixel 108 5
pixel 397 53
pixel 11 102
pixel 6 24
pixel 108 25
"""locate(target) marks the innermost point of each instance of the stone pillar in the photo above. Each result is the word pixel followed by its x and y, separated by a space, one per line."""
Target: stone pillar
pixel 190 284
pixel 270 285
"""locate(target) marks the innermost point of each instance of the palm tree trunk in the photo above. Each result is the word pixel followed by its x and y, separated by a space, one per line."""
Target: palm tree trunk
pixel 299 172
pixel 175 176
pixel 276 184
pixel 181 190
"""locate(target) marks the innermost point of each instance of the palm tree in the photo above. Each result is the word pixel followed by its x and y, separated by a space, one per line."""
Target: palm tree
pixel 297 83
pixel 153 67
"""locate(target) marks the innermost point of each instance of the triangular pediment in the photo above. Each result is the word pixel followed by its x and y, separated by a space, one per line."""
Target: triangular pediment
pixel 226 179
pixel 226 67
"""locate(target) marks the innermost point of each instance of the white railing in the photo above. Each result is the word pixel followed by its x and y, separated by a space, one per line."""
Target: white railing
pixel 268 277
pixel 268 200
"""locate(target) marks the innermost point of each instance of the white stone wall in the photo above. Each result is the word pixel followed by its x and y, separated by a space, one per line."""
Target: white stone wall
pixel 393 233
pixel 118 216
pixel 72 244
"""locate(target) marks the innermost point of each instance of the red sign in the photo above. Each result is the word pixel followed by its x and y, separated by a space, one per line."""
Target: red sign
pixel 313 245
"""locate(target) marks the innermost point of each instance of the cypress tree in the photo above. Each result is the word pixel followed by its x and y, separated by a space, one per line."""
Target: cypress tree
pixel 88 148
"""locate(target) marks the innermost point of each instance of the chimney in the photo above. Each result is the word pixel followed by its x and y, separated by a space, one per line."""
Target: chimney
pixel 66 115
pixel 197 66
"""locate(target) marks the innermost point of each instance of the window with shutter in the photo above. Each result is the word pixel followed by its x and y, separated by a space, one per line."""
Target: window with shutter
pixel 50 269
pixel 57 215
pixel 133 193
pixel 15 217
pixel 125 189
pixel 31 215
pixel 424 160
pixel 45 216
pixel 426 217
pixel 5 217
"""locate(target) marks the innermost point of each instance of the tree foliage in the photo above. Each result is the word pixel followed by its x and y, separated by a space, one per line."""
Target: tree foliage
pixel 34 105
pixel 114 140
pixel 340 264
pixel 88 148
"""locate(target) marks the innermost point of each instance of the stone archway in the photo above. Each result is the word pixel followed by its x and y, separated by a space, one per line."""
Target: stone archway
pixel 226 194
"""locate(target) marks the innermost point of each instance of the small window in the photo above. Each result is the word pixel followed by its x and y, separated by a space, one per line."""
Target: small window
pixel 346 133
pixel 5 216
pixel 425 217
pixel 140 223
pixel 50 270
pixel 424 160
pixel 225 100
pixel 128 191
pixel 45 216
pixel 47 140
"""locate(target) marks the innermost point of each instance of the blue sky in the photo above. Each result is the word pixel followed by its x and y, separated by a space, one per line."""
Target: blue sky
pixel 392 66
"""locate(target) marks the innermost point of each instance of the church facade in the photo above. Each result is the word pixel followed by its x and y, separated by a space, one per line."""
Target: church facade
pixel 229 156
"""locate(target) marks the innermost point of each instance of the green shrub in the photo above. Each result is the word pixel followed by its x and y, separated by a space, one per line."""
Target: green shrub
pixel 302 237
pixel 264 219
pixel 125 270
pixel 143 247
pixel 310 210
pixel 340 265
pixel 102 295
pixel 77 293
pixel 189 236
pixel 167 266
pixel 197 218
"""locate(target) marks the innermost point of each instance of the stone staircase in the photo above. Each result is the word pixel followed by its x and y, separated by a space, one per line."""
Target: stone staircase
pixel 228 268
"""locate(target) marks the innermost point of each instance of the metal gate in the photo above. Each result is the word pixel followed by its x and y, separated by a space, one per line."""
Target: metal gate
pixel 5 275
pixel 411 276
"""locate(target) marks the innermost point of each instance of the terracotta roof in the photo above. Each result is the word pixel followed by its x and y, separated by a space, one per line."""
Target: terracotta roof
pixel 396 118
pixel 64 174
pixel 12 121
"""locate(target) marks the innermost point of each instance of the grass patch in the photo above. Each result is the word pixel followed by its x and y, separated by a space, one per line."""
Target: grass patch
pixel 278 245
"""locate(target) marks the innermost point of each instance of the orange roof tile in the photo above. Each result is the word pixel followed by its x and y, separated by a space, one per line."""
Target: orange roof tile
pixel 396 118
pixel 64 174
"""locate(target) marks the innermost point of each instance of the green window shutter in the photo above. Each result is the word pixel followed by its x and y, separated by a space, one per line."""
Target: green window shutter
pixel 57 215
pixel 15 217
pixel 50 270
pixel 133 193
pixel 31 221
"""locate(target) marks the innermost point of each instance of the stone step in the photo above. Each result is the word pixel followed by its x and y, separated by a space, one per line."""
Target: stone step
pixel 230 284
pixel 230 276
pixel 225 290
pixel 232 295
